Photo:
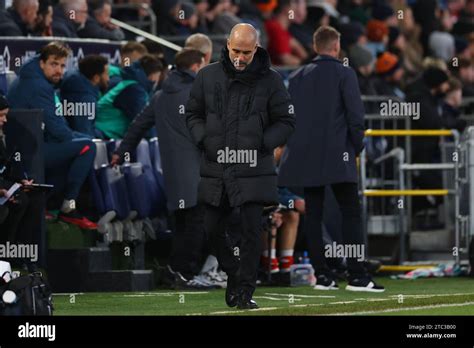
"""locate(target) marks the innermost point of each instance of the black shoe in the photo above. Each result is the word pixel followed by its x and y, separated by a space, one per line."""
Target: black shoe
pixel 231 291
pixel 364 284
pixel 174 280
pixel 323 282
pixel 245 301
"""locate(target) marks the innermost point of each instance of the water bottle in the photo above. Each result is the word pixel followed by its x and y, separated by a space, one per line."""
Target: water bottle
pixel 306 258
pixel 303 273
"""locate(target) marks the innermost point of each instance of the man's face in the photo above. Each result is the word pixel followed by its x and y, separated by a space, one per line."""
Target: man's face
pixel 241 51
pixel 80 15
pixel 3 117
pixel 104 79
pixel 103 17
pixel 30 13
pixel 53 68
pixel 155 77
pixel 456 97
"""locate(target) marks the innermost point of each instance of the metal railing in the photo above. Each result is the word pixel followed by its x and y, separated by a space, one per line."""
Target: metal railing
pixel 402 191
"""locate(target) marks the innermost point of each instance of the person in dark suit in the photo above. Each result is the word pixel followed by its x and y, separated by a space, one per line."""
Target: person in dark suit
pixel 18 218
pixel 238 112
pixel 329 136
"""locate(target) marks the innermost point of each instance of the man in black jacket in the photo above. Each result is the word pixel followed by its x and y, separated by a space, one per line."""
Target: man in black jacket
pixel 17 215
pixel 430 97
pixel 238 112
pixel 19 19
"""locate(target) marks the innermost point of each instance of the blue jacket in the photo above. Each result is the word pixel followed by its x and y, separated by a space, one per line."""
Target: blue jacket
pixel 329 125
pixel 134 98
pixel 31 90
pixel 77 88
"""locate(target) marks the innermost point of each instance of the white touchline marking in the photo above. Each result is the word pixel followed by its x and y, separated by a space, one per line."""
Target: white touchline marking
pixel 434 295
pixel 253 310
pixel 407 309
pixel 296 295
pixel 342 302
pixel 307 305
pixel 68 294
pixel 276 298
pixel 152 294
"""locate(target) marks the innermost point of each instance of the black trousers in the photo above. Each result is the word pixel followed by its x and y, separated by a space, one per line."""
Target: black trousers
pixel 241 260
pixel 23 219
pixel 189 242
pixel 348 200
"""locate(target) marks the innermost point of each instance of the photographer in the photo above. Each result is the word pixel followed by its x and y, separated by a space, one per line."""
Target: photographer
pixel 17 220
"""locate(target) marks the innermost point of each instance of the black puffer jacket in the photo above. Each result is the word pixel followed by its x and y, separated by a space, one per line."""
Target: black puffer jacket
pixel 239 110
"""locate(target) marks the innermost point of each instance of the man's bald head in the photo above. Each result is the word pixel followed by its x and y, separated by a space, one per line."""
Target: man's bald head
pixel 244 31
pixel 242 45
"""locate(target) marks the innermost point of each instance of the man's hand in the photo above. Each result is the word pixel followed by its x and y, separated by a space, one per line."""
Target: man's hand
pixel 26 182
pixel 3 193
pixel 115 160
pixel 277 219
pixel 300 206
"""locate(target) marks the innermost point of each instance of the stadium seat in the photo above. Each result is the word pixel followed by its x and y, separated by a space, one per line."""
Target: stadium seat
pixel 109 190
pixel 3 84
pixel 154 190
pixel 155 157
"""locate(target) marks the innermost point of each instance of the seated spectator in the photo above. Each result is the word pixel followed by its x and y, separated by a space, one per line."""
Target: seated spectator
pixel 389 75
pixel 466 75
pixel 85 86
pixel 452 104
pixel 362 61
pixel 98 23
pixel 44 19
pixel 68 17
pixel 201 11
pixel 17 217
pixel 352 33
pixel 250 13
pixel 282 47
pixel 188 21
pixel 120 105
pixel 377 33
pixel 383 12
pixel 413 52
pixel 298 29
pixel 441 42
pixel 222 16
pixel 129 53
pixel 430 97
pixel 67 154
pixel 167 12
pixel 19 19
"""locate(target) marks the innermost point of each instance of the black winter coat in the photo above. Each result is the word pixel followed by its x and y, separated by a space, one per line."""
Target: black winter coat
pixel 239 110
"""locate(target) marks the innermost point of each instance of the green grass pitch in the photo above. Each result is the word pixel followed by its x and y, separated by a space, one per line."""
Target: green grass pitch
pixel 434 296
